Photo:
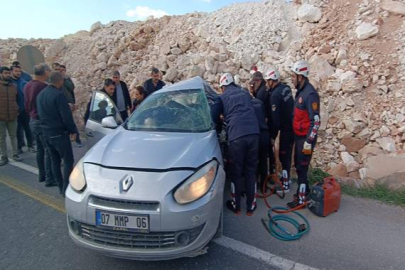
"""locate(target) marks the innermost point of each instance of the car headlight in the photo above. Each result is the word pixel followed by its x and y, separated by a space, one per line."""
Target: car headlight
pixel 77 179
pixel 197 185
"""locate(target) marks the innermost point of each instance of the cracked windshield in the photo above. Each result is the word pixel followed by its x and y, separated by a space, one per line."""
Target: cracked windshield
pixel 173 111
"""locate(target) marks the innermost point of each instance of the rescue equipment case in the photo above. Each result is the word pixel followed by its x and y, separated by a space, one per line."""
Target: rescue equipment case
pixel 324 197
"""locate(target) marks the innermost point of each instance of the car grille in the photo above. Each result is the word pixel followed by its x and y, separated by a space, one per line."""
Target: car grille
pixel 135 240
pixel 123 204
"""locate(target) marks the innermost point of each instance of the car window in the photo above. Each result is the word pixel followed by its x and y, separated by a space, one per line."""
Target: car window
pixel 173 111
pixel 102 107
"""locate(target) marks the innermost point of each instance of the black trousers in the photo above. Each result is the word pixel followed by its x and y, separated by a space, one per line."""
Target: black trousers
pixel 43 156
pixel 78 138
pixel 272 158
pixel 60 149
pixel 263 166
pixel 243 154
pixel 23 126
pixel 285 151
pixel 302 163
pixel 124 115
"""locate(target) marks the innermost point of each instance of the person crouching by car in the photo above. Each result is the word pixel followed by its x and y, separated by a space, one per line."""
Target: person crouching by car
pixel 109 89
pixel 140 96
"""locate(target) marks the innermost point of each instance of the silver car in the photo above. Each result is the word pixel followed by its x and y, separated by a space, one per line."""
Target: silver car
pixel 151 188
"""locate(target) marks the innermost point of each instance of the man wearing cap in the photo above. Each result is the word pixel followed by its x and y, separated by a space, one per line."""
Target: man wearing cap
pixel 282 106
pixel 306 123
pixel 243 139
pixel 121 95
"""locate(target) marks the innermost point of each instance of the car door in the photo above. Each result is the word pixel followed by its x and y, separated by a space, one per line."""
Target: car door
pixel 101 107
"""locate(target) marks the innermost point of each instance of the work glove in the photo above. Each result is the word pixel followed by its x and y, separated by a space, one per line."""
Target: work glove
pixel 307 149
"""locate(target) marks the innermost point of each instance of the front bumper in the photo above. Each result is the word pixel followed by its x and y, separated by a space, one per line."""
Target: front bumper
pixel 199 220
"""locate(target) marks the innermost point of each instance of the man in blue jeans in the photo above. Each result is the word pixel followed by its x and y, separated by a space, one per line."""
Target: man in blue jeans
pixel 31 91
pixel 58 128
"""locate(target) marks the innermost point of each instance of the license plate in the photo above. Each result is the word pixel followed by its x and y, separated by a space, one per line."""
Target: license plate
pixel 122 222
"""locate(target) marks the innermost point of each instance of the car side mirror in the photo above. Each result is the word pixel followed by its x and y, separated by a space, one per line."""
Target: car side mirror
pixel 109 122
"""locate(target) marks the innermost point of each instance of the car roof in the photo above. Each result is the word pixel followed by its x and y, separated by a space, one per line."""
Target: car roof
pixel 193 83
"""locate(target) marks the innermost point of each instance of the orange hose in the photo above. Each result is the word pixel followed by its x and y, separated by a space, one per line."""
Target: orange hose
pixel 276 181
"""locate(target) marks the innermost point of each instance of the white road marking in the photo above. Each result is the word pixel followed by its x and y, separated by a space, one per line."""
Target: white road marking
pixel 24 167
pixel 243 248
pixel 259 254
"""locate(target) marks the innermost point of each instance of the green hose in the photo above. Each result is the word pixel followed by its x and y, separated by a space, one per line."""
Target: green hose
pixel 280 232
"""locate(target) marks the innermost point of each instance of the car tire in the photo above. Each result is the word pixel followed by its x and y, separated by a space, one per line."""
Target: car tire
pixel 220 228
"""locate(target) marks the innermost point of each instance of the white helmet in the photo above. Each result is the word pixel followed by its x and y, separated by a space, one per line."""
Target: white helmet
pixel 301 68
pixel 272 74
pixel 226 79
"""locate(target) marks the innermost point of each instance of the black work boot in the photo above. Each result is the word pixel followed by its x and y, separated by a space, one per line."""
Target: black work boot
pixel 251 210
pixel 296 202
pixel 230 204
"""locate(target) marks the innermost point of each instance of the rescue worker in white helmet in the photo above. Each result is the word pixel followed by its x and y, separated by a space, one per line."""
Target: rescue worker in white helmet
pixel 306 123
pixel 281 111
pixel 243 141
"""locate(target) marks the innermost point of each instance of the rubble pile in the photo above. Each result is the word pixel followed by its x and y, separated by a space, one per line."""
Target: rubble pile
pixel 356 50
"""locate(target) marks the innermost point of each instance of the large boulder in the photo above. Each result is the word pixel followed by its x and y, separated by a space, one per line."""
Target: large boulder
pixel 366 30
pixel 353 126
pixel 342 55
pixel 387 169
pixel 388 144
pixel 309 13
pixel 95 27
pixel 165 49
pixel 346 157
pixel 353 166
pixel 176 51
pixel 171 74
pixel 395 181
pixel 369 151
pixel 353 144
pixel 56 48
pixel 196 71
pixel 394 7
pixel 320 67
pixel 364 134
pixel 247 61
pixel 354 85
pixel 338 170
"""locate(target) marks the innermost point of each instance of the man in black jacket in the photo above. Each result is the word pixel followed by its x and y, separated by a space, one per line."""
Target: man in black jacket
pixel 264 142
pixel 69 92
pixel 243 140
pixel 58 128
pixel 121 95
pixel 109 89
pixel 260 91
pixel 154 83
pixel 282 105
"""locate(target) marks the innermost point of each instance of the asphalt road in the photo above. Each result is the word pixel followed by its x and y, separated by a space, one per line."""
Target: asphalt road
pixel 364 234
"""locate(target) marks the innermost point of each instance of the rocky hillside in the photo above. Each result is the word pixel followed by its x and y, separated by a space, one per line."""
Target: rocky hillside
pixel 356 50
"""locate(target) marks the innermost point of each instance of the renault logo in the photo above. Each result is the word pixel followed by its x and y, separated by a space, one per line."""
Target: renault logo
pixel 126 183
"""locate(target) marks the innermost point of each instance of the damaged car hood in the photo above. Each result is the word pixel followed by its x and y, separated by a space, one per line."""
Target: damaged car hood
pixel 153 150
